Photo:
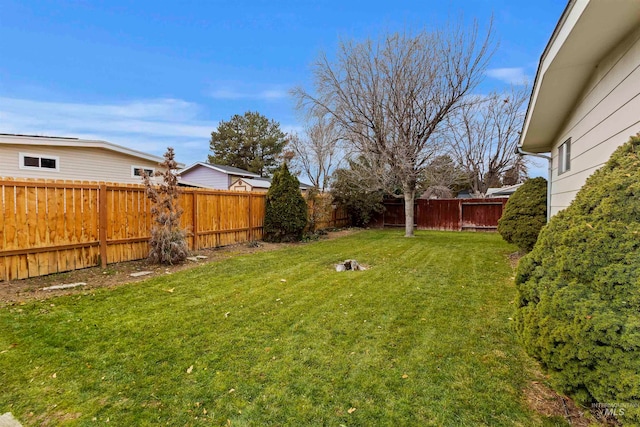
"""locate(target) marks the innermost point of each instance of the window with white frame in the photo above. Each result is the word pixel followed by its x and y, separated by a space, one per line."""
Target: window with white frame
pixel 137 171
pixel 564 157
pixel 39 162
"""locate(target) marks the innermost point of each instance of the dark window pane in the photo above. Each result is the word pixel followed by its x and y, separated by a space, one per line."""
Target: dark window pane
pixel 48 163
pixel 32 161
pixel 138 172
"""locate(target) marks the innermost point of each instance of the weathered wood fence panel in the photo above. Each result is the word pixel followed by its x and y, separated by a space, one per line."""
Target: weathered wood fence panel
pixel 445 214
pixel 481 215
pixel 54 226
pixel 47 227
pixel 326 213
pixel 438 214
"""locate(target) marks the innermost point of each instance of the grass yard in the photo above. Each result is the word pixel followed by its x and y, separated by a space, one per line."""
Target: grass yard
pixel 280 338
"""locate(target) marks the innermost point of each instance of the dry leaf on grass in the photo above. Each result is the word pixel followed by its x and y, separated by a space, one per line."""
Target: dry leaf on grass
pixel 351 410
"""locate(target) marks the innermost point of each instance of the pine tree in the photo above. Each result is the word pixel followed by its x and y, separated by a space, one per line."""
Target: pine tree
pixel 250 142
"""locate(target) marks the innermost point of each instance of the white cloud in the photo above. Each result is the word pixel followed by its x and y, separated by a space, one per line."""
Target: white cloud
pixel 239 91
pixel 514 76
pixel 145 125
pixel 226 93
pixel 273 94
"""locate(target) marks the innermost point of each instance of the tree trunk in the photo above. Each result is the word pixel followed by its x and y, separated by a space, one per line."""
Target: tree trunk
pixel 409 196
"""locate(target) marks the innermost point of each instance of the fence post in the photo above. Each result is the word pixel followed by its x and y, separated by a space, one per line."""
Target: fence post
pixel 102 223
pixel 194 220
pixel 250 229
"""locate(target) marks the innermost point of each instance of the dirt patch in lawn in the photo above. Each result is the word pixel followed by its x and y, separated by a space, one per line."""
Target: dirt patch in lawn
pixel 544 400
pixel 17 291
pixel 514 259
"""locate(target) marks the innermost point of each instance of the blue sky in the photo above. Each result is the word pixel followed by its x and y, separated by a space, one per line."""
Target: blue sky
pixel 149 75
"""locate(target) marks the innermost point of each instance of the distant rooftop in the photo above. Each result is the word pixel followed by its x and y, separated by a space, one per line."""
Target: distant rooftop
pixel 64 141
pixel 38 136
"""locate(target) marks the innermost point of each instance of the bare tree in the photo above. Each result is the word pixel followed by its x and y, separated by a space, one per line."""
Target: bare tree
pixel 483 136
pixel 390 97
pixel 318 152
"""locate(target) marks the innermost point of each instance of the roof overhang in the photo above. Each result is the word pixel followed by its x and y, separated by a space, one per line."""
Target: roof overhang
pixel 586 32
pixel 80 143
pixel 240 172
pixel 257 183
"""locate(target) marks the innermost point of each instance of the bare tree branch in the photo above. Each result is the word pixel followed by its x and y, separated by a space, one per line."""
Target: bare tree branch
pixel 318 152
pixel 483 136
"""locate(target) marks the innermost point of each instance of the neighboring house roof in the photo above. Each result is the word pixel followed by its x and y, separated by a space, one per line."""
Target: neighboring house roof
pixel 503 191
pixel 56 141
pixel 229 170
pixel 586 32
pixel 266 183
pixel 257 183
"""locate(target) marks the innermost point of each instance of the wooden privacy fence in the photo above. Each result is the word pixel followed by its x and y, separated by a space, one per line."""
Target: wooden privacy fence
pixel 55 226
pixel 445 214
pixel 326 214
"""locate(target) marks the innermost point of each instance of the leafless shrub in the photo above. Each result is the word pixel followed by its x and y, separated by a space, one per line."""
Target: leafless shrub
pixel 168 240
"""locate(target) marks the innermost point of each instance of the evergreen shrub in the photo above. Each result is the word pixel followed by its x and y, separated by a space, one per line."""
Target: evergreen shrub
pixel 579 289
pixel 286 210
pixel 525 214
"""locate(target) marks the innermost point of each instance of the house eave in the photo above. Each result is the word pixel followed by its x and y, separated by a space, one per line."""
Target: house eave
pixel 79 143
pixel 586 32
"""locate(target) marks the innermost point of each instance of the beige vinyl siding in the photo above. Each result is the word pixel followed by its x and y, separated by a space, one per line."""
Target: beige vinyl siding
pixel 75 163
pixel 606 115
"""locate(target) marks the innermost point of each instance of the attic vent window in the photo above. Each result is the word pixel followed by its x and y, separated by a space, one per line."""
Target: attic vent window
pixel 36 161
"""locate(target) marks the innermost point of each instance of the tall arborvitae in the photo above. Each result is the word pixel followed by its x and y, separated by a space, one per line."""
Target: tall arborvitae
pixel 286 210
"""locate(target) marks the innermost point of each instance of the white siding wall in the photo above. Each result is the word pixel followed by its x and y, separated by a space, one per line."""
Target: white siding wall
pixel 208 177
pixel 75 163
pixel 607 114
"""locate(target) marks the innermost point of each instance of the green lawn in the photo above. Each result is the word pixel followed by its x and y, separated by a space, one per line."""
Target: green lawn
pixel 422 338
